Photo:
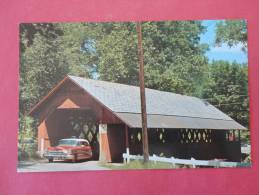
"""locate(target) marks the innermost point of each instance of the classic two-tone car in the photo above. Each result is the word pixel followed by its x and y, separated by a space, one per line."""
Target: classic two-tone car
pixel 69 149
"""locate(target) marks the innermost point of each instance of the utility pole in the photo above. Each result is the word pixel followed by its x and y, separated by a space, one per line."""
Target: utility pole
pixel 142 95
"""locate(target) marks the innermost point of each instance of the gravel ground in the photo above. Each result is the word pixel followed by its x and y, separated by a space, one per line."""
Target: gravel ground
pixel 45 166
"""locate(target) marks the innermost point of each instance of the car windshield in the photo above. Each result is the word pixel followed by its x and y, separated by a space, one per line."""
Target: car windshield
pixel 67 142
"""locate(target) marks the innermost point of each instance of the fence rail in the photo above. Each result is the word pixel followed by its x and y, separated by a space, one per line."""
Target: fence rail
pixel 193 162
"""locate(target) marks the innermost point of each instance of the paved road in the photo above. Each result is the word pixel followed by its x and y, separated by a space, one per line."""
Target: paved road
pixel 44 166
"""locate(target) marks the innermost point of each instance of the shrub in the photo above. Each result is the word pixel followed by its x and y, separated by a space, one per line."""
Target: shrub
pixel 27 145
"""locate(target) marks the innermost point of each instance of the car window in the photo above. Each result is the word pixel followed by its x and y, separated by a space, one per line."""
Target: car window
pixel 65 142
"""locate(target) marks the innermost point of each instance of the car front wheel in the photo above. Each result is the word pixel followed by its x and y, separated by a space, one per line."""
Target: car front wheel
pixel 50 160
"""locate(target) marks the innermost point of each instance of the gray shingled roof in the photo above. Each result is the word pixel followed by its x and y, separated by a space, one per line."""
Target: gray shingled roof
pixel 121 98
pixel 126 98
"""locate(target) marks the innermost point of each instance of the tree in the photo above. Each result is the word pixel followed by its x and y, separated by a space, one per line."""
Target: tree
pixel 78 46
pixel 173 57
pixel 227 89
pixel 117 53
pixel 29 30
pixel 232 32
pixel 42 66
pixel 49 52
pixel 26 138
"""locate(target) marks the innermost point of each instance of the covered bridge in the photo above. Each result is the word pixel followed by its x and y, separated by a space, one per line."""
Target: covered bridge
pixel 109 116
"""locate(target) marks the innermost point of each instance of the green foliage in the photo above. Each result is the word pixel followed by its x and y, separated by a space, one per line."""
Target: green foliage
pixel 232 32
pixel 77 46
pixel 175 61
pixel 173 57
pixel 26 138
pixel 28 32
pixel 117 53
pixel 26 127
pixel 227 89
pixel 42 65
pixel 46 58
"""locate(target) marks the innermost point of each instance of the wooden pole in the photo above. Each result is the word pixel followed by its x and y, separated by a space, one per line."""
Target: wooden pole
pixel 142 95
pixel 126 139
pixel 239 141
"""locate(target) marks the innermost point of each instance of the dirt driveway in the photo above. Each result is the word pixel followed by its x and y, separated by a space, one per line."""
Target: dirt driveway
pixel 44 166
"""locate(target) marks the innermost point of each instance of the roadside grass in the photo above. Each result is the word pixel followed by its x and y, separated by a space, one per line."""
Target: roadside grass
pixel 137 164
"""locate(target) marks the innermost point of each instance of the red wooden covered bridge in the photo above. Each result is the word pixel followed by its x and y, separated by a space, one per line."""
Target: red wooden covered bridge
pixel 109 116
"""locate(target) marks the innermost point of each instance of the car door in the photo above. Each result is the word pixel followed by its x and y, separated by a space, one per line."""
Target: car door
pixel 87 149
pixel 81 150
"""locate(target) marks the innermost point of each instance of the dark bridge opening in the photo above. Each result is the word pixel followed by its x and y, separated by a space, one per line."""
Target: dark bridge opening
pixel 189 143
pixel 67 123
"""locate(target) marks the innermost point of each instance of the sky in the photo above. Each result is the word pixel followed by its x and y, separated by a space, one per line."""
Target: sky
pixel 224 52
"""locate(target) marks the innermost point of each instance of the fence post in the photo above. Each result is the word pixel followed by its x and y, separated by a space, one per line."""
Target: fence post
pixel 41 147
pixel 128 155
pixel 155 159
pixel 193 164
pixel 217 163
pixel 172 161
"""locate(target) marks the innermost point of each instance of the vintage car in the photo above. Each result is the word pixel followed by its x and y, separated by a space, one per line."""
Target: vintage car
pixel 69 149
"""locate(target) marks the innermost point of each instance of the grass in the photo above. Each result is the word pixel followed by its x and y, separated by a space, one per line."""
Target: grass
pixel 136 164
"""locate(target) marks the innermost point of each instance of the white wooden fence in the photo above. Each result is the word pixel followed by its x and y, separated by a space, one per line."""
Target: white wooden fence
pixel 193 162
pixel 246 149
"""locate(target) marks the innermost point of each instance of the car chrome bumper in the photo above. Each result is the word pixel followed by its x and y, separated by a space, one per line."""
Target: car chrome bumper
pixel 59 156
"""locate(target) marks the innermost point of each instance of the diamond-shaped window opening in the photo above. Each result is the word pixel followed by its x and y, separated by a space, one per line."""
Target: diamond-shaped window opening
pixel 204 136
pixel 139 136
pixel 82 135
pixel 160 136
pixel 235 133
pixel 90 136
pixel 199 136
pixel 194 135
pixel 226 136
pixel 189 135
pixel 94 128
pixel 85 128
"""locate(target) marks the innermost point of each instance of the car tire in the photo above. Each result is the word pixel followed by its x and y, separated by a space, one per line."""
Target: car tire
pixel 50 160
